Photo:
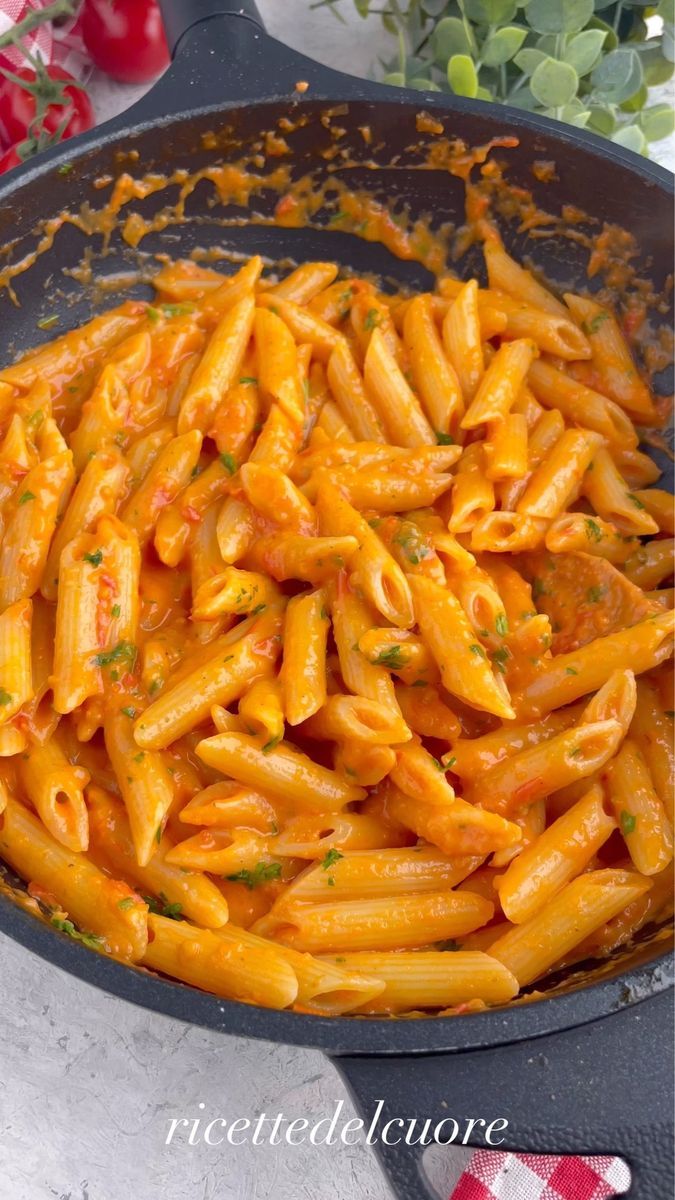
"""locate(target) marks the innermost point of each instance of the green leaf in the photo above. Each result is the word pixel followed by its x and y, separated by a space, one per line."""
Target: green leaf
pixel 452 36
pixel 523 98
pixel 394 78
pixel 637 102
pixel 618 75
pixel 602 119
pixel 668 43
pixel 558 16
pixel 503 45
pixel 462 75
pixel 434 8
pixel 611 39
pixel 528 59
pixel 657 122
pixel 666 10
pixel 583 49
pixel 554 83
pixel 656 68
pixel 490 12
pixel 484 94
pixel 423 85
pixel 631 137
pixel 599 5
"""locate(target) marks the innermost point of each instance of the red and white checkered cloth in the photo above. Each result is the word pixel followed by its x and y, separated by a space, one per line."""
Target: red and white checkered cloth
pixel 60 43
pixel 497 1175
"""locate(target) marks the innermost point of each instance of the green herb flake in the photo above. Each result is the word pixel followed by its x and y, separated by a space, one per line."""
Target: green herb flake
pixel 628 822
pixel 450 763
pixel 47 322
pixel 595 594
pixel 123 650
pixel 228 461
pixel 538 588
pixel 25 497
pixel 371 319
pixel 126 903
pixel 65 168
pixel 571 671
pixel 501 624
pixel 391 658
pixel 116 610
pixel 419 683
pixel 257 610
pixel 444 439
pixel 95 558
pixel 178 310
pixel 5 696
pixel 593 530
pixel 262 873
pixel 88 939
pixel 592 326
pixel 158 833
pixel 331 857
pixel 269 746
pixel 249 379
pixel 140 756
pixel 477 650
pixel 635 500
pixel 131 713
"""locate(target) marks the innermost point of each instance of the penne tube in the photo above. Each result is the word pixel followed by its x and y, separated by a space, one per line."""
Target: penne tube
pixel 296 556
pixel 349 393
pixel 303 671
pixel 306 327
pixel 652 731
pixel 305 282
pixel 638 810
pixel 530 949
pixel 355 718
pixel 142 777
pixel 62 359
pixel 233 591
pixel 418 775
pixel 227 804
pixel 55 788
pixel 651 564
pixel 97 492
pixel 507 533
pixel 219 367
pixel 77 639
pixel 16 673
pixel 107 911
pixel 272 494
pixel 435 379
pixel 329 988
pixel 470 757
pixel 231 962
pixel 457 828
pixel 187 894
pixel 506 275
pixel 232 663
pixel 386 491
pixel 612 499
pixel 30 523
pixel 431 979
pixel 278 376
pixel 566 677
pixel 530 775
pixel 352 619
pixel 506 448
pixel 580 404
pixel 313 835
pixel 556 482
pixel 351 925
pixel 465 669
pixel 426 713
pixel 169 474
pixel 501 384
pixel 281 770
pixel 362 874
pixel 393 399
pixel 463 340
pixel 575 531
pixel 261 710
pixel 371 566
pixel 363 763
pixel 176 521
pixel 473 495
pixel 612 359
pixel 556 857
pixel 659 504
pixel 231 853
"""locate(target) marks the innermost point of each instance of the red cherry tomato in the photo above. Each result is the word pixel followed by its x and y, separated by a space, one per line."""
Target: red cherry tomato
pixel 125 38
pixel 9 159
pixel 68 110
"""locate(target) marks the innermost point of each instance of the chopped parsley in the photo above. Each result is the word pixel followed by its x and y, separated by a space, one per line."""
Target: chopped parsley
pixel 126 903
pixel 576 751
pixel 65 168
pixel 450 763
pixel 178 310
pixel 228 461
pixel 635 500
pixel 23 499
pixel 372 318
pixel 165 908
pixel 412 545
pixel 123 650
pixel 571 671
pixel 501 624
pixel 88 939
pixel 332 856
pixel 438 764
pixel 477 650
pixel 115 611
pixel 271 745
pixel 500 657
pixel 139 759
pixel 261 873
pixel 129 711
pixel 444 439
pixel 593 530
pixel 595 594
pixel 95 558
pixel 592 326
pixel 391 658
pixel 47 322
pixel 419 683
pixel 538 588
pixel 249 379
pixel 628 823
pixel 258 609
pixel 5 696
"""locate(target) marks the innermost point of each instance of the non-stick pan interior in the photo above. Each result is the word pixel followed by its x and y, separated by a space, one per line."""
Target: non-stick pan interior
pixel 376 149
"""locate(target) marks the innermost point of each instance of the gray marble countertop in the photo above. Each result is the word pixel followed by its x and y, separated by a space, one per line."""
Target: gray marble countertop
pixel 89 1084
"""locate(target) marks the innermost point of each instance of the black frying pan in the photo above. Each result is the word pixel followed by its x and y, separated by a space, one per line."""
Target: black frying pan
pixel 587 1068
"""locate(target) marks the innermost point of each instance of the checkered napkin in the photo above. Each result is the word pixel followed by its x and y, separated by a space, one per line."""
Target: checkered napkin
pixel 493 1175
pixel 60 43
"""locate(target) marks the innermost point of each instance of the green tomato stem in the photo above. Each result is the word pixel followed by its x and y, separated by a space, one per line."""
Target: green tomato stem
pixel 13 36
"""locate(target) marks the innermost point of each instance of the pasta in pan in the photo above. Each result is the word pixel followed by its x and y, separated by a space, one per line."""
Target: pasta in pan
pixel 333 638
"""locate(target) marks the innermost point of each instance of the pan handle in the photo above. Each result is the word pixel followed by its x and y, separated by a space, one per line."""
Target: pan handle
pixel 181 15
pixel 604 1088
